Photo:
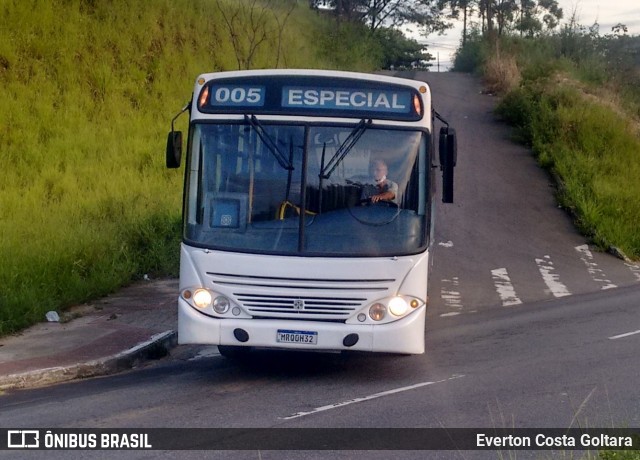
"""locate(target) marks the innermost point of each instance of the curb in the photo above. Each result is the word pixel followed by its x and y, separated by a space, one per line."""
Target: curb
pixel 154 348
pixel 619 253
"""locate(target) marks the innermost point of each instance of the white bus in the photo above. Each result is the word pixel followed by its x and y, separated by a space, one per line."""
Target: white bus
pixel 289 238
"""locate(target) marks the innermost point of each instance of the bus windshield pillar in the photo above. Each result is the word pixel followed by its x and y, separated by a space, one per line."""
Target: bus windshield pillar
pixel 303 191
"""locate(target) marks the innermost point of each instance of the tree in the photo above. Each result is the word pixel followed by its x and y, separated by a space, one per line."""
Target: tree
pixel 429 14
pixel 498 17
pixel 388 13
pixel 553 13
pixel 250 25
pixel 534 14
pixel 486 14
pixel 467 8
pixel 383 17
pixel 505 14
pixel 400 52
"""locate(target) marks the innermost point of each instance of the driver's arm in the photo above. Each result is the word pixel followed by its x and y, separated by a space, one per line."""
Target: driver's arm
pixel 389 195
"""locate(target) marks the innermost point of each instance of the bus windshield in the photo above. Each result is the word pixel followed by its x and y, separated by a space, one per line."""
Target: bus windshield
pixel 303 189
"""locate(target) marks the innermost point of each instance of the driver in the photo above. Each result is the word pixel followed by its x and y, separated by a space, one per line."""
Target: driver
pixel 384 189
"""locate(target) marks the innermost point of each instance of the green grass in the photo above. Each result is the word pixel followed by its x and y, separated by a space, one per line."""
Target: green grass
pixel 88 90
pixel 582 123
pixel 619 455
pixel 593 152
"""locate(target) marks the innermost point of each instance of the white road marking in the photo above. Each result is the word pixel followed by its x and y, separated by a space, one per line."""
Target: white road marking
pixel 450 294
pixel 448 244
pixel 367 398
pixel 635 268
pixel 551 279
pixel 597 274
pixel 453 313
pixel 505 289
pixel 624 335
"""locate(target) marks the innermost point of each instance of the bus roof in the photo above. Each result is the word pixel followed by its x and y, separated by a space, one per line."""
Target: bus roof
pixel 313 73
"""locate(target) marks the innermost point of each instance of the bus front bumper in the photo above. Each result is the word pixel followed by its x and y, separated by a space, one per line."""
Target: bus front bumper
pixel 403 336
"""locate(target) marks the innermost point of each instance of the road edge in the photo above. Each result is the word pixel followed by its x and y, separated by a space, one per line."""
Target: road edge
pixel 156 347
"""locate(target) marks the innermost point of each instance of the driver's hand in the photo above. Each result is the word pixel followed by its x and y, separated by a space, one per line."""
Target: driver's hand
pixel 375 198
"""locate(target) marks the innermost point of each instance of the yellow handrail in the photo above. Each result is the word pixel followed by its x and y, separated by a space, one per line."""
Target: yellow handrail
pixel 283 208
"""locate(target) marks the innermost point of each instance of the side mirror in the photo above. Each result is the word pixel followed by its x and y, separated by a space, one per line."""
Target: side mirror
pixel 174 149
pixel 448 150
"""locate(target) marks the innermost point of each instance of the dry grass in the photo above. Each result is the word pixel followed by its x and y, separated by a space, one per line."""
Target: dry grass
pixel 501 73
pixel 603 95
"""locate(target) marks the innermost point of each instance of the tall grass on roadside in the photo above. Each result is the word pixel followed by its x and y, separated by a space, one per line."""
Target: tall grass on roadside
pixel 88 90
pixel 501 73
pixel 580 114
pixel 592 151
pixel 619 455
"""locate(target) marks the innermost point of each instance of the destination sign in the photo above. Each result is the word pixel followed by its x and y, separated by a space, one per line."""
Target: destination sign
pixel 237 96
pixel 346 99
pixel 295 95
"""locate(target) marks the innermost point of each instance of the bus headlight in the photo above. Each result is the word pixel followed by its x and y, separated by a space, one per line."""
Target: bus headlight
pixel 202 298
pixel 221 304
pixel 377 311
pixel 212 303
pixel 387 310
pixel 398 306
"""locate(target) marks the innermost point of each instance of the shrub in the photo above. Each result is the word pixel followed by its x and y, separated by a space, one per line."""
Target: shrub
pixel 501 73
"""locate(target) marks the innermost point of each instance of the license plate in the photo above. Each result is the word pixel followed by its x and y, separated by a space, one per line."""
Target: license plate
pixel 304 337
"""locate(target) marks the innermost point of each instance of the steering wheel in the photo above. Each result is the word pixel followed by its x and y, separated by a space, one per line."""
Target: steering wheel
pixel 387 204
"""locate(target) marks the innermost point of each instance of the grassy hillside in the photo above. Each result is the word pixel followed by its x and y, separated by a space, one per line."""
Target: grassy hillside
pixel 574 98
pixel 88 89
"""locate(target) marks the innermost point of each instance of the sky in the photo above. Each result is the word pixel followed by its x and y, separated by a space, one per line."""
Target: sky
pixel 607 13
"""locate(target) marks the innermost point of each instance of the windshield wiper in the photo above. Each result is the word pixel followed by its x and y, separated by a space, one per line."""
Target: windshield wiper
pixel 266 139
pixel 344 148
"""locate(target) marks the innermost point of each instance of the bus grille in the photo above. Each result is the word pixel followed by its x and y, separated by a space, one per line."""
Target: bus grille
pixel 301 306
pixel 323 299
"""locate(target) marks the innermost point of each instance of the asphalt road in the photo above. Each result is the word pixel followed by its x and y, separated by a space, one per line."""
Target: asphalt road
pixel 504 242
pixel 564 363
pixel 525 329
